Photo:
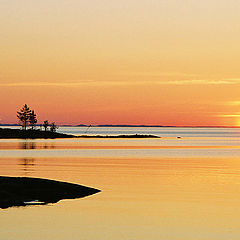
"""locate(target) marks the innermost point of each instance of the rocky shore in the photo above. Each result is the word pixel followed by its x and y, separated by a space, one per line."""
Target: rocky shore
pixel 23 191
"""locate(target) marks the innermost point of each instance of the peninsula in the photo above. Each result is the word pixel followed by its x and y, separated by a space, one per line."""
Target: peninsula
pixel 6 133
pixel 30 133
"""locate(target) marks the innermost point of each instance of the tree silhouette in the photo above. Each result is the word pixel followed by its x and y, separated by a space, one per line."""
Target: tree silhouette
pixel 23 116
pixel 32 119
pixel 53 127
pixel 45 124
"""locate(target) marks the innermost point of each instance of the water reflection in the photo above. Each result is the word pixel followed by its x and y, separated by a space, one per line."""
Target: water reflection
pixel 27 164
pixel 27 145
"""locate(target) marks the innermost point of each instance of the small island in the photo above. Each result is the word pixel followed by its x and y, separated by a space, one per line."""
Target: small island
pixel 28 120
pixel 30 133
pixel 24 191
pixel 6 133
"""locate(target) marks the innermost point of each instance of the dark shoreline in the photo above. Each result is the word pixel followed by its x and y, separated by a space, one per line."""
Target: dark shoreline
pixel 23 191
pixel 119 136
pixel 8 133
pixel 24 134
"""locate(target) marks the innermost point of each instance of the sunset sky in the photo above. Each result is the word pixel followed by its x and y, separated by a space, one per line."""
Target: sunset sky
pixel 165 62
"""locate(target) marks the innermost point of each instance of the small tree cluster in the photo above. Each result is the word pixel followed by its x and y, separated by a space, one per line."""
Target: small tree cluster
pixel 52 126
pixel 27 117
pixel 45 125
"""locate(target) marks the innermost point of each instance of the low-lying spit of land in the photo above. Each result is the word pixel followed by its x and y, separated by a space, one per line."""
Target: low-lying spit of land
pixel 6 133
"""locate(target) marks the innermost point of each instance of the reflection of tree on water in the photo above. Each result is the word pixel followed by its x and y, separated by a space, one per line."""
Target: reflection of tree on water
pixel 49 146
pixel 27 145
pixel 27 164
pixel 33 145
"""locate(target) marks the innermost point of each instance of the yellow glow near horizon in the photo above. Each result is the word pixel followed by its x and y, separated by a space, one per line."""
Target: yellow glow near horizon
pixel 238 121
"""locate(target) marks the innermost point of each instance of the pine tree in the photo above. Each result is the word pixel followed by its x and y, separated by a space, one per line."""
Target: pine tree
pixel 32 119
pixel 23 116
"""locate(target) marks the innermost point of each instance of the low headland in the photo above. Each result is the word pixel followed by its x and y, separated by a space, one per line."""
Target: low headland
pixel 23 191
pixel 31 133
pixel 6 133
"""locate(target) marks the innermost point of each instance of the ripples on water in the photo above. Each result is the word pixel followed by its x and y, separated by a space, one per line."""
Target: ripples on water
pixel 165 188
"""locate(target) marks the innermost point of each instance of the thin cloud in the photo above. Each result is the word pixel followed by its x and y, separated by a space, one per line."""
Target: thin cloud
pixel 234 103
pixel 117 83
pixel 197 81
pixel 229 115
pixel 68 84
pixel 234 79
pixel 37 84
pixel 159 74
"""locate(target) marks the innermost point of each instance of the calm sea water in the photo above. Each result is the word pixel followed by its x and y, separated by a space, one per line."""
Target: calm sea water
pixel 169 188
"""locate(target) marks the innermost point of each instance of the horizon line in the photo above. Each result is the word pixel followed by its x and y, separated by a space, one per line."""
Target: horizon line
pixel 130 125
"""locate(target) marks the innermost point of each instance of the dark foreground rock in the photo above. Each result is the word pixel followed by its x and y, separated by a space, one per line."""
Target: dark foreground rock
pixel 23 191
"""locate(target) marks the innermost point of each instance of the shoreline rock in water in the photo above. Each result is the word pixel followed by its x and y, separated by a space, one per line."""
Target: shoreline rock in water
pixel 23 191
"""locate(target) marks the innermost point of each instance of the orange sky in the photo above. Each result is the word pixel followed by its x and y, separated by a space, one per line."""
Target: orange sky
pixel 121 62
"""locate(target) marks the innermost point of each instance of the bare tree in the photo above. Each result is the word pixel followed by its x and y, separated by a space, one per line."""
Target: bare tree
pixel 23 116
